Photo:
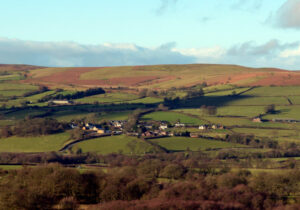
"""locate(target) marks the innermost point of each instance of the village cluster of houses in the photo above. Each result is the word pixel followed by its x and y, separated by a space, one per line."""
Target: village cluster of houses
pixel 116 125
pixel 213 127
pixel 149 129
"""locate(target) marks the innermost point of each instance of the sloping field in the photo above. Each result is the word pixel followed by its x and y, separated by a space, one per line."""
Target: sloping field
pixel 193 144
pixel 34 144
pixel 115 144
pixel 172 117
pixel 163 76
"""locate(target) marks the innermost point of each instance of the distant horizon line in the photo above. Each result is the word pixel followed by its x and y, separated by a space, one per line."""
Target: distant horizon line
pixel 113 66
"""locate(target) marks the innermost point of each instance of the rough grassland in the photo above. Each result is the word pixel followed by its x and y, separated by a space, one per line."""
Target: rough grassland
pixel 194 144
pixel 34 144
pixel 162 76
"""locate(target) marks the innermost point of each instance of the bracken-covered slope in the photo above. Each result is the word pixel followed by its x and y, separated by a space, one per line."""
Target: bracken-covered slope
pixel 162 76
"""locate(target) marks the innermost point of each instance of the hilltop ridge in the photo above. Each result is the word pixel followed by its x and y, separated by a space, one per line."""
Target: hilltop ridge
pixel 157 76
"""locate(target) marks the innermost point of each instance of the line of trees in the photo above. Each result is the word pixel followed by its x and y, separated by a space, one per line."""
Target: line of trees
pixel 33 127
pixel 76 95
pixel 137 186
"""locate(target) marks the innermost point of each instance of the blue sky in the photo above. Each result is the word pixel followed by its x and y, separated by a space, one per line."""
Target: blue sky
pixel 256 33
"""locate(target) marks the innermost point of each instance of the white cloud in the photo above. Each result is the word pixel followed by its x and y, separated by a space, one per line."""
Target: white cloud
pixel 213 52
pixel 270 54
pixel 74 54
pixel 290 53
pixel 288 15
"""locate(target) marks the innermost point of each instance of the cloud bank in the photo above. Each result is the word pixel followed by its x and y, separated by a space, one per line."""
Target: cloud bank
pixel 74 54
pixel 70 54
pixel 288 15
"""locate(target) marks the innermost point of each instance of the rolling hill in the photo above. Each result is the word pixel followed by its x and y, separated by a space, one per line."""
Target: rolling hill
pixel 159 76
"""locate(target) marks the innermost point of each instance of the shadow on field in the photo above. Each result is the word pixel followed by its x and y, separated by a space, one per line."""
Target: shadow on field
pixel 209 101
pixel 61 111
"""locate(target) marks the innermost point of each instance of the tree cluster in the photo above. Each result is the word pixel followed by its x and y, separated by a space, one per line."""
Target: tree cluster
pixel 136 185
pixel 76 95
pixel 209 110
pixel 41 89
pixel 33 127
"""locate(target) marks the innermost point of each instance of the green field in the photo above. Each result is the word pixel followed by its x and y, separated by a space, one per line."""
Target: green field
pixel 115 144
pixel 278 100
pixel 285 112
pixel 68 115
pixel 237 121
pixel 172 117
pixel 268 132
pixel 108 98
pixel 18 115
pixel 242 111
pixel 147 100
pixel 10 167
pixel 34 144
pixel 227 92
pixel 275 91
pixel 193 144
pixel 122 115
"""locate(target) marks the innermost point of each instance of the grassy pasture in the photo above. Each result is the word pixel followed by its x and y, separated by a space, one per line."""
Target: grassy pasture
pixel 34 144
pixel 275 91
pixel 218 88
pixel 36 97
pixel 108 98
pixel 287 112
pixel 267 132
pixel 237 121
pixel 147 100
pixel 10 167
pixel 227 92
pixel 9 93
pixel 172 117
pixel 259 101
pixel 10 77
pixel 245 111
pixel 21 114
pixel 68 115
pixel 115 115
pixel 115 144
pixel 295 99
pixel 194 144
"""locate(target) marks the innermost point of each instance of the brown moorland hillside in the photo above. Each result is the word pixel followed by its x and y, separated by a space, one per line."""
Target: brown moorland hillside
pixel 13 67
pixel 162 76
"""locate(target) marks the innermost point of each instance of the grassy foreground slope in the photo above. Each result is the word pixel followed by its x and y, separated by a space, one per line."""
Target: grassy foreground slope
pixel 34 144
